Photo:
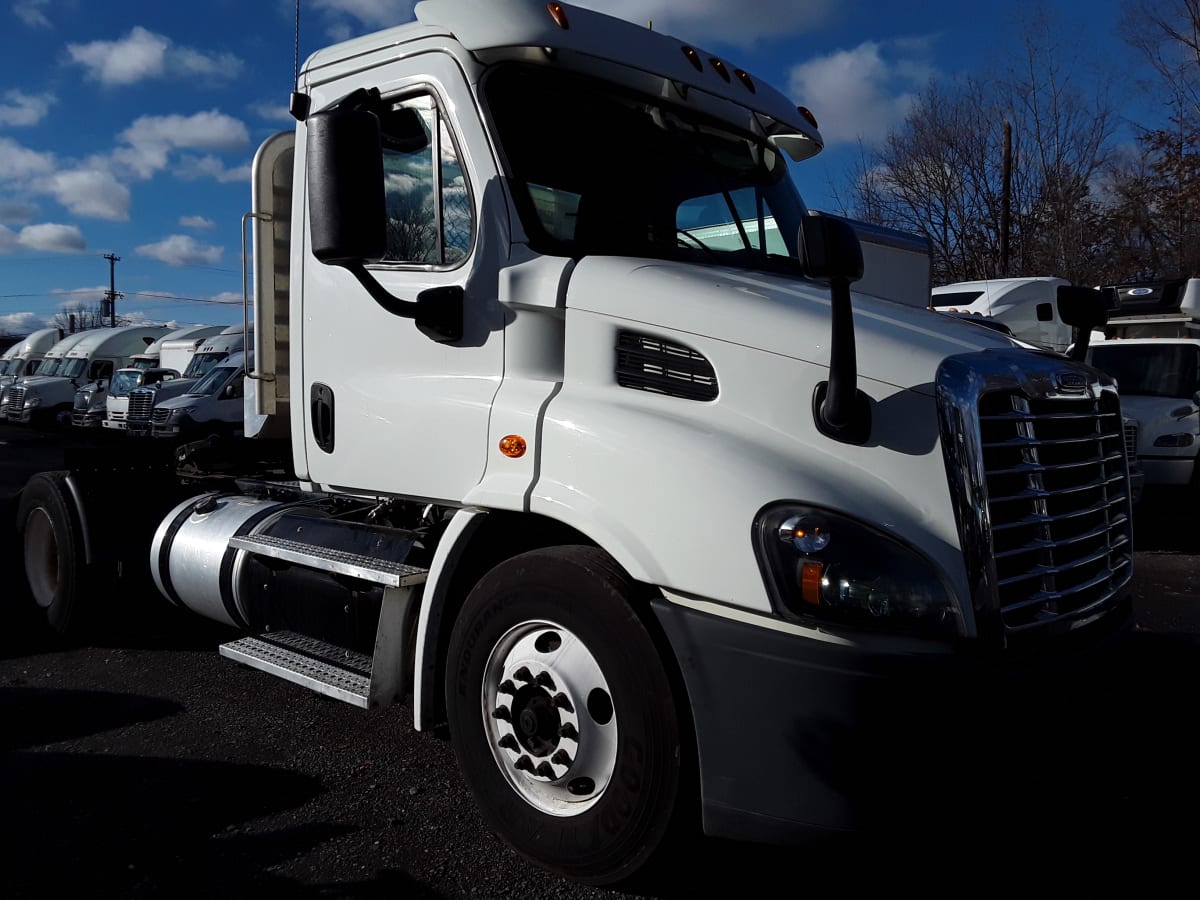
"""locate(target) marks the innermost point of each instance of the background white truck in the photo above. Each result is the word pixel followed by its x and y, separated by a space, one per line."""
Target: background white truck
pixel 213 350
pixel 53 359
pixel 1026 305
pixel 24 356
pixel 666 534
pixel 165 359
pixel 211 405
pixel 93 358
pixel 1150 309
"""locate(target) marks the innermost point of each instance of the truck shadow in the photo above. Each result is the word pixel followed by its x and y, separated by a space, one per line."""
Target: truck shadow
pixel 115 826
pixel 36 716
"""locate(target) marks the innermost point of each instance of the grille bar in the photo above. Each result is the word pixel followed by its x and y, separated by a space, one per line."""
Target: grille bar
pixel 1034 493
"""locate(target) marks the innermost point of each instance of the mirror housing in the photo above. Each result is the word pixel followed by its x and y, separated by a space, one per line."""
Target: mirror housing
pixel 1083 309
pixel 348 213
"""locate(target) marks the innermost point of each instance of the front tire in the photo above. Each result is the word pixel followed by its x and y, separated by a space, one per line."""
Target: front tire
pixel 562 715
pixel 52 545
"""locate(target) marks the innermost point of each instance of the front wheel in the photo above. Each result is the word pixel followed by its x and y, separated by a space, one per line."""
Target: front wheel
pixel 562 715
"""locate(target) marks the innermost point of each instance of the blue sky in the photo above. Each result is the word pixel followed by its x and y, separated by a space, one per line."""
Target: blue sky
pixel 128 127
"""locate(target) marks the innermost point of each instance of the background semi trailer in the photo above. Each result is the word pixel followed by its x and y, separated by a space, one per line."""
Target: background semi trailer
pixel 668 535
pixel 52 361
pixel 24 356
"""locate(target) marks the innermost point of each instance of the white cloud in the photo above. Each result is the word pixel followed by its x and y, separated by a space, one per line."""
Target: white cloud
pixel 91 192
pixel 16 211
pixel 144 54
pixel 376 13
pixel 181 250
pixel 229 297
pixel 17 162
pixel 31 12
pixel 52 237
pixel 272 112
pixel 857 94
pixel 80 296
pixel 20 108
pixel 21 323
pixel 150 139
pixel 191 168
pixel 718 20
pixel 196 222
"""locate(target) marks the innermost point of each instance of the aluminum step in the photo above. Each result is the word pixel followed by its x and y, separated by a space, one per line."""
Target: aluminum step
pixel 324 668
pixel 379 571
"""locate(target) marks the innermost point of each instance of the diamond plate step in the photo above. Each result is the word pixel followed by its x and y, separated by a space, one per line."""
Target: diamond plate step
pixel 324 668
pixel 379 571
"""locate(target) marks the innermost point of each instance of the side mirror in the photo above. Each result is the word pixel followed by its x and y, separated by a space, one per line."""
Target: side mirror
pixel 348 215
pixel 830 250
pixel 1083 309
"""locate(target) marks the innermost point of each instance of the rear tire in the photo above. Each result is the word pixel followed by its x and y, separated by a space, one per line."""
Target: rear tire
pixel 52 546
pixel 562 715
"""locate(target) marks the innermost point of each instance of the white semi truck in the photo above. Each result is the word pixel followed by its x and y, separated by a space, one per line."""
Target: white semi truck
pixel 665 533
pixel 24 356
pixel 51 362
pixel 93 358
pixel 1027 306
pixel 213 350
pixel 105 404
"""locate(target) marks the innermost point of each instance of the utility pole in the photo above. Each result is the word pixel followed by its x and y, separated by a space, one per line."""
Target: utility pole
pixel 1005 200
pixel 110 297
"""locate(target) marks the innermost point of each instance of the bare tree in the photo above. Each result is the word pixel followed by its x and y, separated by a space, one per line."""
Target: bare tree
pixel 82 316
pixel 1167 32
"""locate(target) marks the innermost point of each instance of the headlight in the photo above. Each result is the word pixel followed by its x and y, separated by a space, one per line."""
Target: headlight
pixel 33 402
pixel 179 412
pixel 823 567
pixel 1174 440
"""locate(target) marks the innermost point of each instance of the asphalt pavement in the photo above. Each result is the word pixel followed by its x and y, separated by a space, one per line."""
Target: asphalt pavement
pixel 142 764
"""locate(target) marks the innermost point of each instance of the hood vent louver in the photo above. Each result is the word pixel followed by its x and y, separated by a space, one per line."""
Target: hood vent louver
pixel 647 363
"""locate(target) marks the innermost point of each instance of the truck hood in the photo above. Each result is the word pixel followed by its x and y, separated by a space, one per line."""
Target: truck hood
pixel 896 344
pixel 45 386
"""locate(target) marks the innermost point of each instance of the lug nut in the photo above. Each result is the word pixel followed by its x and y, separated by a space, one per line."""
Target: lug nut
pixel 544 679
pixel 561 758
pixel 508 742
pixel 502 713
pixel 507 687
pixel 568 731
pixel 524 763
pixel 545 770
pixel 562 702
pixel 523 674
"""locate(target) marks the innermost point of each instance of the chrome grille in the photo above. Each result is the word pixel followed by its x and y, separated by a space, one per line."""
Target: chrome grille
pixel 159 416
pixel 1037 467
pixel 16 400
pixel 141 401
pixel 1131 439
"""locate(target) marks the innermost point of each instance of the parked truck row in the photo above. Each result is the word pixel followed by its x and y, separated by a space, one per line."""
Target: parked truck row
pixel 669 531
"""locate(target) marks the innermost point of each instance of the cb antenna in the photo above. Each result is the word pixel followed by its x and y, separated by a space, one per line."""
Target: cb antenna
pixel 296 64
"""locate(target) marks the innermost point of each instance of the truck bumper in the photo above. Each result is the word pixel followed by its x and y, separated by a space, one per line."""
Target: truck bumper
pixel 117 424
pixel 798 739
pixel 86 420
pixel 23 416
pixel 1167 470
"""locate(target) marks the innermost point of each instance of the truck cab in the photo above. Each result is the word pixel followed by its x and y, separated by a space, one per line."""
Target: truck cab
pixel 24 356
pixel 15 405
pixel 1158 379
pixel 211 351
pixel 1026 305
pixel 164 360
pixel 93 358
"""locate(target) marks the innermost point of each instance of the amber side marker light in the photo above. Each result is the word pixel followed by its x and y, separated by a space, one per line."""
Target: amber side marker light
pixel 811 575
pixel 809 117
pixel 559 15
pixel 720 67
pixel 694 58
pixel 512 445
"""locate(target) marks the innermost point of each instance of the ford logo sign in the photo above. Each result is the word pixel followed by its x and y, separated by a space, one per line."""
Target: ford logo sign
pixel 1071 381
pixel 1140 292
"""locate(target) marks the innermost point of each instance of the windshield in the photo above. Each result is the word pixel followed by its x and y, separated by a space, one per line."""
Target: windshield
pixel 1155 370
pixel 599 170
pixel 50 366
pixel 9 366
pixel 203 362
pixel 72 368
pixel 143 364
pixel 952 299
pixel 123 382
pixel 212 382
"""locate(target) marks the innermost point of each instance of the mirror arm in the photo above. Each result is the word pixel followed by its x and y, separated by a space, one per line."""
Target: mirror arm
pixel 438 312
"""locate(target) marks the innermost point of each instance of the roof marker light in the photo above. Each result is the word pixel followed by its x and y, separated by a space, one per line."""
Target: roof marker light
pixel 720 67
pixel 559 15
pixel 513 446
pixel 807 113
pixel 693 58
pixel 744 78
